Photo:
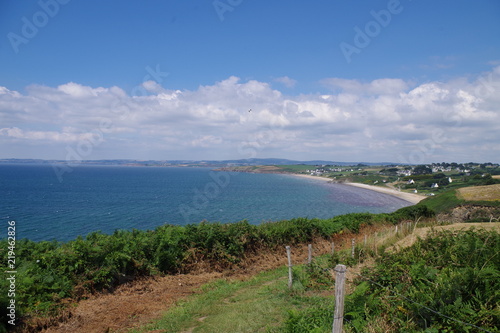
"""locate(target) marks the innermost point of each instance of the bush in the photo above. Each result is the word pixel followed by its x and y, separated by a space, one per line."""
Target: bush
pixel 287 232
pixel 447 275
pixel 413 213
pixel 170 246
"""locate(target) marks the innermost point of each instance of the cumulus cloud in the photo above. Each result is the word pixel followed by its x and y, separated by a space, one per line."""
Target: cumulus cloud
pixel 286 81
pixel 387 119
pixel 153 87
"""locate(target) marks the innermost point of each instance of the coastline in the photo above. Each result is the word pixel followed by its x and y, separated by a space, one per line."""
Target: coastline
pixel 410 197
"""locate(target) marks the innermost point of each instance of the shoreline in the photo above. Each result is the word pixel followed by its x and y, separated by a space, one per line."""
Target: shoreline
pixel 410 197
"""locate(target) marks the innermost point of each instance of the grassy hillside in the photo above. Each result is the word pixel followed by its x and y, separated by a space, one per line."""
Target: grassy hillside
pixel 487 196
pixel 443 202
pixel 52 274
pixel 446 282
pixel 480 193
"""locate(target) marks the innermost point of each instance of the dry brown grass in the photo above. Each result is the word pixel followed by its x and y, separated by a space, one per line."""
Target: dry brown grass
pixel 423 232
pixel 268 168
pixel 480 193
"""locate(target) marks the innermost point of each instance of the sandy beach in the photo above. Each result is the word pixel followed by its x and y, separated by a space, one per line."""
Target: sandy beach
pixel 311 177
pixel 410 197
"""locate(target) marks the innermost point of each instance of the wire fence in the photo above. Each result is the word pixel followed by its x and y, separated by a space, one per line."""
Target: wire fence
pixel 343 270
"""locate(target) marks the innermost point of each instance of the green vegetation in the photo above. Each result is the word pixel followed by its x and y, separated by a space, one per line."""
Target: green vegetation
pixel 447 282
pixel 424 182
pixel 49 272
pixel 252 306
pixel 297 168
pixel 261 304
pixel 446 201
pixel 443 202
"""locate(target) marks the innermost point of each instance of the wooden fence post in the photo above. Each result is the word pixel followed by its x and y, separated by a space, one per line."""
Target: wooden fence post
pixel 289 255
pixel 333 248
pixel 309 254
pixel 352 248
pixel 338 316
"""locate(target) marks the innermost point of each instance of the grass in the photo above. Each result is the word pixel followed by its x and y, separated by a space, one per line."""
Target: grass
pixel 264 303
pixel 486 196
pixel 480 193
pixel 443 202
pixel 296 168
pixel 255 305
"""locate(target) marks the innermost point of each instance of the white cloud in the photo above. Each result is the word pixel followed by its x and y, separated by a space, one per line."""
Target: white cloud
pixel 381 120
pixel 153 87
pixel 286 81
pixel 77 90
pixel 40 137
pixel 206 141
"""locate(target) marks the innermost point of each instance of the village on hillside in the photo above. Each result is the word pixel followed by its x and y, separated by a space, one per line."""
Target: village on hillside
pixel 427 179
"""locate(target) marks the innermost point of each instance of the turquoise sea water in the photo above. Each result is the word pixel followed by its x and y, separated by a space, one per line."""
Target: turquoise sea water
pixel 107 198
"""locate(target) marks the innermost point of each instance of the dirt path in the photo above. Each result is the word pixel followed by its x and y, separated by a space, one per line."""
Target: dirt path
pixel 131 304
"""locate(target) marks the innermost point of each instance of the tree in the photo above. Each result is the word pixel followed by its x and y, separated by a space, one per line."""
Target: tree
pixel 422 170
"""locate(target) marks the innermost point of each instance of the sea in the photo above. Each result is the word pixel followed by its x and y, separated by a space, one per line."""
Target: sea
pixel 47 204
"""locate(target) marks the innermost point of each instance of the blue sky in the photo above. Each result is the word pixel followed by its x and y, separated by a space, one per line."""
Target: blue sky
pixel 403 81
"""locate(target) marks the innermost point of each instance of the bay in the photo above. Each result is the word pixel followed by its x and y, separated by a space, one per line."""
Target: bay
pixel 107 198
